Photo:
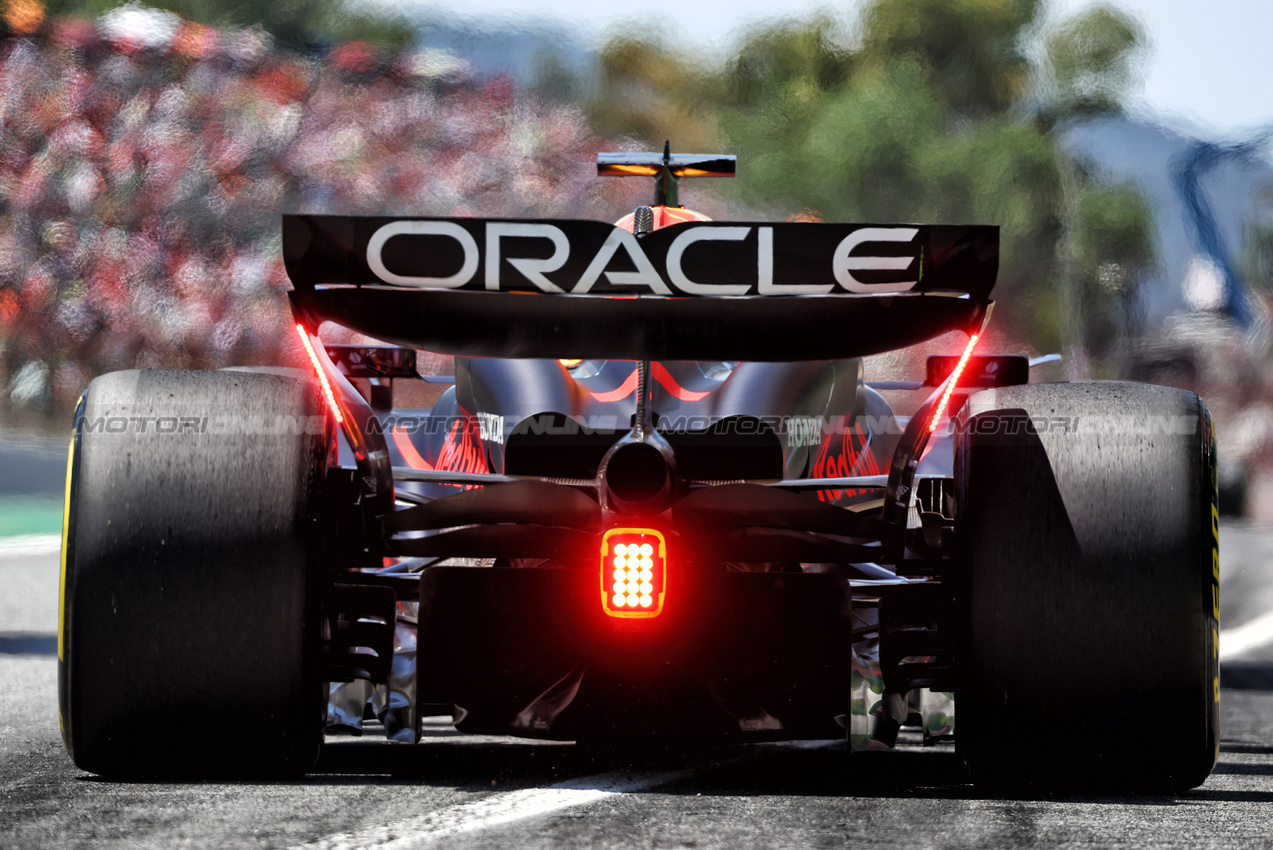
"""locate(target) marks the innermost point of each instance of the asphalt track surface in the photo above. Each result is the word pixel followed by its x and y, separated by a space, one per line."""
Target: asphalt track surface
pixel 453 791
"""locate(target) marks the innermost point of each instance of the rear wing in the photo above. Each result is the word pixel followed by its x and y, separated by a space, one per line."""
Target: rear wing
pixel 694 291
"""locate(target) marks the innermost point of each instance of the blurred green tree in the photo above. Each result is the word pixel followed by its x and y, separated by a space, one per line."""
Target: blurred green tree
pixel 1257 257
pixel 1092 61
pixel 650 90
pixel 1255 262
pixel 925 110
pixel 1114 250
pixel 971 48
pixel 553 79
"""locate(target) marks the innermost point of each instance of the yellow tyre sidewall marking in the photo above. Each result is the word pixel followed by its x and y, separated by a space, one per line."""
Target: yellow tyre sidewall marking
pixel 61 591
pixel 66 524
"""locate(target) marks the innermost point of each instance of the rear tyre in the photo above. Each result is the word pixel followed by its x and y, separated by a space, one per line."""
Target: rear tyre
pixel 184 627
pixel 1088 531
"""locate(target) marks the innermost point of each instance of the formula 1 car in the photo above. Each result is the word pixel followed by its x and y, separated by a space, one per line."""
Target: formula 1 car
pixel 705 524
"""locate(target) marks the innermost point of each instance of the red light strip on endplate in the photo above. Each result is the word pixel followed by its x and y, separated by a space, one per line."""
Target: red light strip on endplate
pixel 322 376
pixel 951 382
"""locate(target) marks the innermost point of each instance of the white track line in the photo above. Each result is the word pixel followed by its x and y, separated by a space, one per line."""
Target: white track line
pixel 496 810
pixel 1240 640
pixel 26 545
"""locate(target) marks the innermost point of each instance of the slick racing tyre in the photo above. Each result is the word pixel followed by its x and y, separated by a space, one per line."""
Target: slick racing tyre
pixel 1088 537
pixel 183 622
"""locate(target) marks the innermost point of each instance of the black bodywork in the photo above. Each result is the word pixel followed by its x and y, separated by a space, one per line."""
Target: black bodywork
pixel 739 427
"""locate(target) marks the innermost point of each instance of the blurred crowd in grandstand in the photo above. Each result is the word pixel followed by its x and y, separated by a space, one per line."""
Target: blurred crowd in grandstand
pixel 144 162
pixel 145 159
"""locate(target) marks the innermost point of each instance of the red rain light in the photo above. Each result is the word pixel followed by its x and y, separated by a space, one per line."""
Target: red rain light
pixel 950 384
pixel 322 376
pixel 633 572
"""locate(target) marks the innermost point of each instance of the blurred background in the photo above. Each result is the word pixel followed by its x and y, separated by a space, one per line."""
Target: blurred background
pixel 146 152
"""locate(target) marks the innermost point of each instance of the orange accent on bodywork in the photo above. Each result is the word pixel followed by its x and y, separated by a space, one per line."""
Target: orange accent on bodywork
pixel 664 217
pixel 627 388
pixel 668 216
pixel 660 373
pixel 806 216
pixel 402 440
